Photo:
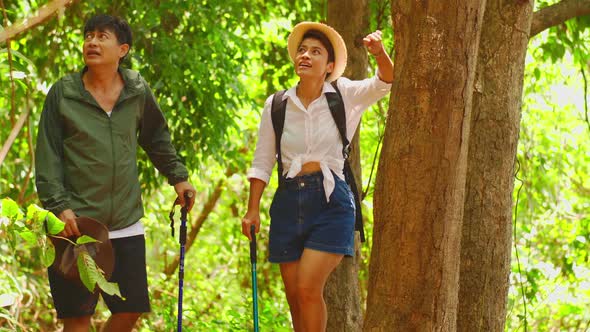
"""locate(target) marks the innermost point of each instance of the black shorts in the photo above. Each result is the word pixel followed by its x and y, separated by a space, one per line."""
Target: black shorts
pixel 74 300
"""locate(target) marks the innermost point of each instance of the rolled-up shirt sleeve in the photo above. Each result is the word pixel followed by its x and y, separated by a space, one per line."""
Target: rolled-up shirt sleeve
pixel 358 96
pixel 265 153
pixel 363 93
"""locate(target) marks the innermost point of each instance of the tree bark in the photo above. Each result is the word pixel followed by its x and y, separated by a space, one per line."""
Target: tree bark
pixel 414 268
pixel 557 14
pixel 487 219
pixel 342 293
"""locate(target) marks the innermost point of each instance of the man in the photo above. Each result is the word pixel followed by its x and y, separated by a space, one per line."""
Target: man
pixel 86 165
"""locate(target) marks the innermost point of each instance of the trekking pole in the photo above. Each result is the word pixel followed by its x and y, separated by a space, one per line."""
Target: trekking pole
pixel 182 241
pixel 254 284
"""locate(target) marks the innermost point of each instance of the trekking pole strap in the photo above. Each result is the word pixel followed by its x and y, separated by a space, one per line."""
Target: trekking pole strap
pixel 183 216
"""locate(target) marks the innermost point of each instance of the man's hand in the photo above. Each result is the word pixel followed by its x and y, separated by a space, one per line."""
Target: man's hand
pixel 183 187
pixel 71 228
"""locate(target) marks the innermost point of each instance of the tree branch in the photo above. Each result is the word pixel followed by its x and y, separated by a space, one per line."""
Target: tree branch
pixel 9 53
pixel 585 96
pixel 13 134
pixel 43 14
pixel 23 190
pixel 558 13
pixel 196 226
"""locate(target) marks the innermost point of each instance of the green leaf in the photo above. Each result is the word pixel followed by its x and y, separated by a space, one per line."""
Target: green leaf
pixel 88 271
pixel 48 255
pixel 111 288
pixel 29 237
pixel 86 239
pixel 537 73
pixel 10 209
pixel 32 212
pixel 54 224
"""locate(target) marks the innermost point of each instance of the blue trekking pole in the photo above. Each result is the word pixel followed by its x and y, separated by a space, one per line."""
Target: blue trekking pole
pixel 254 284
pixel 182 241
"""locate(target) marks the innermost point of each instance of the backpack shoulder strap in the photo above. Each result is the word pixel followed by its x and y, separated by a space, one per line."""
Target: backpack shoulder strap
pixel 278 109
pixel 336 105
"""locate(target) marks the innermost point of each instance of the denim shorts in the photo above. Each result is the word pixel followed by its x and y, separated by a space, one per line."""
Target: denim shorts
pixel 74 300
pixel 302 218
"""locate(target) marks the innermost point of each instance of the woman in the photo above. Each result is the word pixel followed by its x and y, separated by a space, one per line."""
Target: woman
pixel 312 213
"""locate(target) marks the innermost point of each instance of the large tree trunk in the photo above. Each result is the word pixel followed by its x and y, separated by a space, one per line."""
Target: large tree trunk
pixel 495 121
pixel 342 293
pixel 414 268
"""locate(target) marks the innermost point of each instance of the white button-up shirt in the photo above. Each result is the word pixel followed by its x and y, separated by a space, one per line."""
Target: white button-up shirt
pixel 311 134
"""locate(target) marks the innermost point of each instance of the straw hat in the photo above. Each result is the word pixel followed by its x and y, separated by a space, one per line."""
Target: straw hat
pixel 338 44
pixel 66 254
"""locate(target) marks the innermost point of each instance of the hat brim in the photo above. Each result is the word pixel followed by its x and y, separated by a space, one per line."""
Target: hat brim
pixel 340 53
pixel 101 252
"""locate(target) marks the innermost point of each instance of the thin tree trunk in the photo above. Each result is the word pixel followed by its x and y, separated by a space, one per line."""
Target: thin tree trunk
pixel 342 293
pixel 487 222
pixel 195 226
pixel 414 268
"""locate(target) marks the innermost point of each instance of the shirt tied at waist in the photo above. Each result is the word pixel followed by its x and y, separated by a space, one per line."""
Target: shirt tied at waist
pixel 329 181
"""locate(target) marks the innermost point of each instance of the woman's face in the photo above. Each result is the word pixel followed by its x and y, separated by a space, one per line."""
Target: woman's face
pixel 311 60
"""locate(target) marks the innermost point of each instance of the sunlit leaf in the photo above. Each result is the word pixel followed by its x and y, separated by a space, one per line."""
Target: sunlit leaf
pixel 48 255
pixel 29 237
pixel 10 209
pixel 54 224
pixel 36 214
pixel 86 239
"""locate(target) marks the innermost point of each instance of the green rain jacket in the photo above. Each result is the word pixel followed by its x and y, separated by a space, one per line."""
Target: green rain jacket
pixel 86 161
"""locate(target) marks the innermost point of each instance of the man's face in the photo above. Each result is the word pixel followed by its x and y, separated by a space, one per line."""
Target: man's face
pixel 103 48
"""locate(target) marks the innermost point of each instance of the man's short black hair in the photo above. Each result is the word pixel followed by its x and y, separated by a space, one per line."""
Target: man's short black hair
pixel 119 26
pixel 323 39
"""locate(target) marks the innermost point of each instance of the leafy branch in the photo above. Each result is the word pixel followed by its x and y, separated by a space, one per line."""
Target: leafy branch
pixel 44 13
pixel 36 226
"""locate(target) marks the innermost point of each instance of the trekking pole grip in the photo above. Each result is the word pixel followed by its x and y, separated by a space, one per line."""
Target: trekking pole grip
pixel 187 199
pixel 183 217
pixel 253 244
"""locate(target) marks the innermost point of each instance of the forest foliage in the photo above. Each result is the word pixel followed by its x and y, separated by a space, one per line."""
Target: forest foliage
pixel 211 64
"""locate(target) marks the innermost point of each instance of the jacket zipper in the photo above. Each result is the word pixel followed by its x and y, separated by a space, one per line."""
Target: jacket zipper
pixel 113 161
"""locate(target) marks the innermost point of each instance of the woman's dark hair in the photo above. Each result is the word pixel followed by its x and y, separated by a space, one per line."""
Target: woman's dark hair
pixel 321 37
pixel 120 27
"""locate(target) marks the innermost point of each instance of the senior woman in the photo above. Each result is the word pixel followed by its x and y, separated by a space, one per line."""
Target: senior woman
pixel 313 211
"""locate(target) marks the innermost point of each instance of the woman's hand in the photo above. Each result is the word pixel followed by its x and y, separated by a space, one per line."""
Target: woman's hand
pixel 251 218
pixel 374 43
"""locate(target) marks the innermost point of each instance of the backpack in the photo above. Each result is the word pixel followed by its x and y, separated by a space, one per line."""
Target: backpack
pixel 336 105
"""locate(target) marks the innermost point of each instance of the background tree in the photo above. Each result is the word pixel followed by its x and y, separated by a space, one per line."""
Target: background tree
pixel 343 295
pixel 414 268
pixel 487 222
pixel 486 232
